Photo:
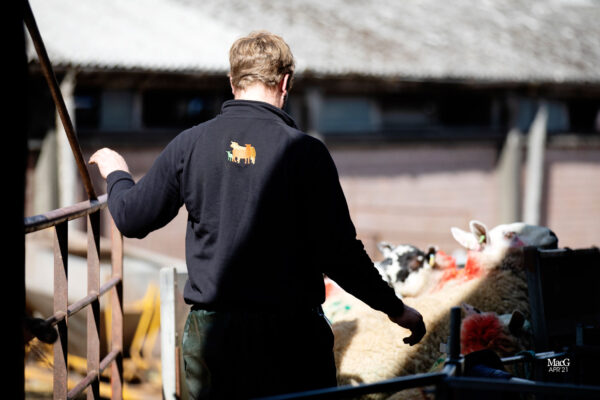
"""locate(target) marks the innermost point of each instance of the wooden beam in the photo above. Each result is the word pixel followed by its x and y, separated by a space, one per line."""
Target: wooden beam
pixel 534 184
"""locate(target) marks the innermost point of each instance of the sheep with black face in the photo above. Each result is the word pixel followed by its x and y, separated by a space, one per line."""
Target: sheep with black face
pixel 405 267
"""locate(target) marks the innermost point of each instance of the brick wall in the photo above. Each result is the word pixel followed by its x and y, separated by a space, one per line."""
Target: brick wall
pixel 573 193
pixel 414 194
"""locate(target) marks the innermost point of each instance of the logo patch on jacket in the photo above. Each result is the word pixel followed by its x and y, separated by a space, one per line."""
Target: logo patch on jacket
pixel 241 154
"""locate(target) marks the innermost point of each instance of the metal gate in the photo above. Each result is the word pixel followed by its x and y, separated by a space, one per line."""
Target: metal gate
pixel 58 220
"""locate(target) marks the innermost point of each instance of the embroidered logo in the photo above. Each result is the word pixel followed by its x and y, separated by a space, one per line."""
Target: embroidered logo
pixel 241 154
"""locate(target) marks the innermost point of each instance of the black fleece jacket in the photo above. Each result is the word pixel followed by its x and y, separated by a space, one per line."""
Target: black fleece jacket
pixel 267 215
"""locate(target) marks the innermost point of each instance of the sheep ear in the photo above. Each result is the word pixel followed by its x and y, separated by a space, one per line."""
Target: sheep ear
pixel 466 239
pixel 385 248
pixel 480 231
pixel 469 309
pixel 478 228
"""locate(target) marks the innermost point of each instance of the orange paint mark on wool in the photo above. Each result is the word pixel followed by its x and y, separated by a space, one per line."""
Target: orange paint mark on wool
pixel 444 261
pixel 331 288
pixel 481 331
pixel 473 269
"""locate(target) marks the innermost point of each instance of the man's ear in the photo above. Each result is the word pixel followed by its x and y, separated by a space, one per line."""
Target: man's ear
pixel 283 85
pixel 232 87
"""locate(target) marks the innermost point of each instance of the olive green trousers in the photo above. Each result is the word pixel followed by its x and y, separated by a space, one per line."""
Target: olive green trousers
pixel 241 354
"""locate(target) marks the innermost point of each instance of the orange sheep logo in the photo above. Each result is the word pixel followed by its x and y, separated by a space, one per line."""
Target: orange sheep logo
pixel 238 153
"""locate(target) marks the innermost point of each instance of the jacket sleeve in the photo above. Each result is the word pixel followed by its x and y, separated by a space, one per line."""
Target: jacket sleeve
pixel 142 207
pixel 343 255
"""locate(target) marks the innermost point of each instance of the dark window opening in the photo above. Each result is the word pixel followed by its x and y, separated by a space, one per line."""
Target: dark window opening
pixel 584 116
pixel 176 109
pixel 87 108
pixel 407 113
pixel 348 116
pixel 459 109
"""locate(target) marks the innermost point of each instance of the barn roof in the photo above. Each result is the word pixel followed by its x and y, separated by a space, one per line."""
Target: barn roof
pixel 484 40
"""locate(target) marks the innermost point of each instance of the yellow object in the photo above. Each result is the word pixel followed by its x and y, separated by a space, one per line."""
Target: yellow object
pixel 147 331
pixel 38 374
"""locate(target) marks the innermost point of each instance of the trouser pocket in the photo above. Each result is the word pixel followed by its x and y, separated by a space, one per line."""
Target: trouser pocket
pixel 197 372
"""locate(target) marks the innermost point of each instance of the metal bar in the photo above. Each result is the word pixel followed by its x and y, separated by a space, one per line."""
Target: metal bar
pixel 91 377
pixel 495 385
pixel 77 306
pixel 93 312
pixel 61 240
pixel 110 284
pixel 454 341
pixel 110 357
pixel 86 301
pixel 116 299
pixel 58 99
pixel 392 385
pixel 51 218
pixel 538 357
pixel 449 370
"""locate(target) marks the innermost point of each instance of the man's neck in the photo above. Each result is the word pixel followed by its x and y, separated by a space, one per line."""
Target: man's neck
pixel 259 92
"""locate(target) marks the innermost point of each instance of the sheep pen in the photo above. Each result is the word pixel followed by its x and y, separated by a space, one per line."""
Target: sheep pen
pixel 369 347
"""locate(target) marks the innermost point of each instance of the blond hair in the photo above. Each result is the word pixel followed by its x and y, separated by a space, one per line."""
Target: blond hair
pixel 260 57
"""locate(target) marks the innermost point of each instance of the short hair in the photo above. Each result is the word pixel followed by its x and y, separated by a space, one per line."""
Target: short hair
pixel 260 57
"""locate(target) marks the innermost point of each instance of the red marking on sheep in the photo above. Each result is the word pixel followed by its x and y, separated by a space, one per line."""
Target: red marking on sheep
pixel 483 331
pixel 331 288
pixel 444 261
pixel 473 269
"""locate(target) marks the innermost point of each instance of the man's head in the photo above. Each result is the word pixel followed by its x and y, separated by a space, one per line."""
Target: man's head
pixel 261 57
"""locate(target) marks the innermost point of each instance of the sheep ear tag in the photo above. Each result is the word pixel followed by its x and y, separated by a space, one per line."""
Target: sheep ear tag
pixel 466 239
pixel 479 230
pixel 243 155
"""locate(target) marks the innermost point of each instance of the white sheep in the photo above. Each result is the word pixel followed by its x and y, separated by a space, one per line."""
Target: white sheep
pixel 369 347
pixel 495 244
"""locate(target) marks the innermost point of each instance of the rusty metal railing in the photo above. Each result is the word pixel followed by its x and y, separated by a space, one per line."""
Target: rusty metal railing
pixel 59 102
pixel 58 220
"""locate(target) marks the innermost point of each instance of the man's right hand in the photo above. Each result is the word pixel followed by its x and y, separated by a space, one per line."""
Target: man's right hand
pixel 411 319
pixel 108 161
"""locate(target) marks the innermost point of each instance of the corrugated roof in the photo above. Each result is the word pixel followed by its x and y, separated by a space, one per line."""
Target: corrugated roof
pixel 514 40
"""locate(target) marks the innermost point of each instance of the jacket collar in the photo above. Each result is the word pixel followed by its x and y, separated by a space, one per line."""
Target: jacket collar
pixel 257 109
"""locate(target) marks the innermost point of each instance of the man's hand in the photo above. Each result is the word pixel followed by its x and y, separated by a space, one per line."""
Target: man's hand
pixel 411 319
pixel 108 161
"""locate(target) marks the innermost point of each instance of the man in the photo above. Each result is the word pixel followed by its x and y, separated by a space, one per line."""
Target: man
pixel 267 218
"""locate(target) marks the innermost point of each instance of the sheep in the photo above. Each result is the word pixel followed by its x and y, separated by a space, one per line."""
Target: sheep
pixel 411 272
pixel 504 334
pixel 239 153
pixel 369 347
pixel 496 244
pixel 517 234
pixel 501 245
pixel 406 268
